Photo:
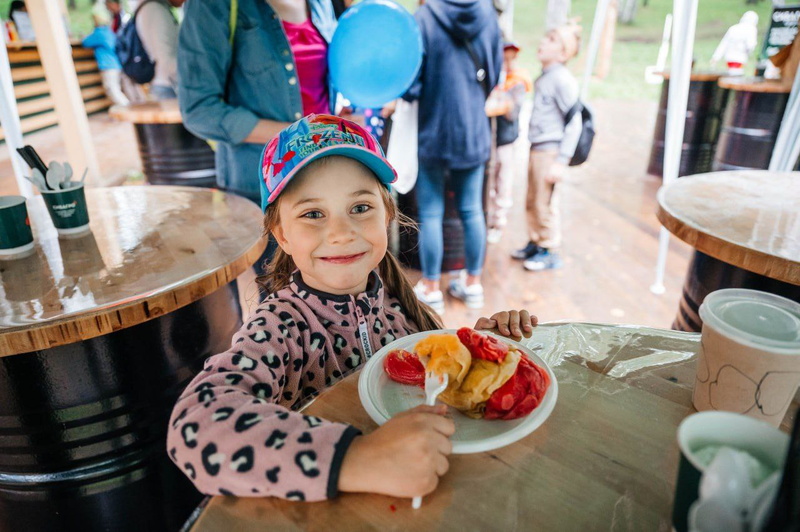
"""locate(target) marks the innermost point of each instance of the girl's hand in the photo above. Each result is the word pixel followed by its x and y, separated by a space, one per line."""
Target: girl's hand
pixel 403 458
pixel 511 323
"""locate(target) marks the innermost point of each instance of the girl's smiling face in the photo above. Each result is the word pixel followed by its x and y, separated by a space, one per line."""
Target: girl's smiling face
pixel 333 223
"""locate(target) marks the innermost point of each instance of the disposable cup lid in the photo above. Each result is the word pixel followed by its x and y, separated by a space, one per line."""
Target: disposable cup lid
pixel 754 318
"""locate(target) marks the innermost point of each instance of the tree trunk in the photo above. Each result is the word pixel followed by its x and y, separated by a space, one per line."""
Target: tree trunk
pixel 627 11
pixel 557 13
pixel 607 41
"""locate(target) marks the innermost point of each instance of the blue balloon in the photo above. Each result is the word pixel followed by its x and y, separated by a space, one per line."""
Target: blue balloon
pixel 375 53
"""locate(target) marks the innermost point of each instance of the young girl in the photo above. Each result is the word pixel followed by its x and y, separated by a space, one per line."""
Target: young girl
pixel 337 297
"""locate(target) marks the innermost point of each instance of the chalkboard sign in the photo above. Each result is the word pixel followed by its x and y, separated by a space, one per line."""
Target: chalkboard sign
pixel 781 32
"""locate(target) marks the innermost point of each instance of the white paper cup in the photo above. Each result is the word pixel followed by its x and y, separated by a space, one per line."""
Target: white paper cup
pixel 765 443
pixel 749 359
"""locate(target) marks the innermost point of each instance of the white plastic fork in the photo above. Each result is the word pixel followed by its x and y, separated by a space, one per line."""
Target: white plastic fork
pixel 434 385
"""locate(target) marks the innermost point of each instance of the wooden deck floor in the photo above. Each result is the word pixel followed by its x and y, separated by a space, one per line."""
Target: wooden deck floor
pixel 610 238
pixel 610 228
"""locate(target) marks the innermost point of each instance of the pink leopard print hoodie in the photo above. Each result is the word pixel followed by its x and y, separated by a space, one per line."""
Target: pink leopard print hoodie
pixel 234 431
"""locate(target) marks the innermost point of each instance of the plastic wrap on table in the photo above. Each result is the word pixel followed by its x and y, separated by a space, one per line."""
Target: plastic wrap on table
pixel 655 360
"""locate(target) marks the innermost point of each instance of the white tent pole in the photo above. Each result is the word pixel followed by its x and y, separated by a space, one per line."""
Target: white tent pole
pixel 684 22
pixel 594 44
pixel 9 117
pixel 59 69
pixel 782 159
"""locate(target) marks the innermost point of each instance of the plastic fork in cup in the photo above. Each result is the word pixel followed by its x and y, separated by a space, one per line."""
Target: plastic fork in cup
pixel 434 385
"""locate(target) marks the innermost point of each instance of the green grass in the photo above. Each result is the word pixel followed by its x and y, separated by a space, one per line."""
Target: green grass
pixel 636 45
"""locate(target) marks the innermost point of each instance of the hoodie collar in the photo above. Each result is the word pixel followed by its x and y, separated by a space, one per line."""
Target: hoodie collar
pixel 461 18
pixel 333 306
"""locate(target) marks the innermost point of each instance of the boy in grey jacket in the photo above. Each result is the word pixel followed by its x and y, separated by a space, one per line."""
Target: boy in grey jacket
pixel 553 143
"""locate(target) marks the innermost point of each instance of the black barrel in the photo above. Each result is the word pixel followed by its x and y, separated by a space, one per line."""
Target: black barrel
pixel 707 274
pixel 750 124
pixel 701 131
pixel 83 426
pixel 171 155
pixel 453 258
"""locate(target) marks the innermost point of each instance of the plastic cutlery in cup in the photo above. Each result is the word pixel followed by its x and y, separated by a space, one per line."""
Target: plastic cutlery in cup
pixel 67 174
pixel 434 385
pixel 54 175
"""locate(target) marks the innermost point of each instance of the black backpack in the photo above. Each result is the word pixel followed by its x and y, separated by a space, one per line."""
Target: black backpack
pixel 587 133
pixel 136 64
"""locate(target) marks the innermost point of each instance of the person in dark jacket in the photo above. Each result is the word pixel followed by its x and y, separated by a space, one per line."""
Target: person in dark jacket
pixel 454 134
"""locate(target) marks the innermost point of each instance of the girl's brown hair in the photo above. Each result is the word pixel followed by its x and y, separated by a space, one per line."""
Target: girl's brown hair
pixel 280 268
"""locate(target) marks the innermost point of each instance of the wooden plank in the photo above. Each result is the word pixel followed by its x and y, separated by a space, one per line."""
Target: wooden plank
pixel 23 56
pixel 56 52
pixel 40 88
pixel 38 105
pixel 30 56
pixel 37 72
pixel 47 104
pixel 97 105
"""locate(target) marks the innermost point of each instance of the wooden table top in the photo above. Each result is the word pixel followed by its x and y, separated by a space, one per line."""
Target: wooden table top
pixel 160 112
pixel 753 84
pixel 749 219
pixel 698 76
pixel 605 459
pixel 151 250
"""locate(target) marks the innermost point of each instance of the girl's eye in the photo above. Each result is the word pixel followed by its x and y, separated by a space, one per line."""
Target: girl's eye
pixel 313 215
pixel 361 209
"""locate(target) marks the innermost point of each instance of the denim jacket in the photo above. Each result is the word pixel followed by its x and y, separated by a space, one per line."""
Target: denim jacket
pixel 224 90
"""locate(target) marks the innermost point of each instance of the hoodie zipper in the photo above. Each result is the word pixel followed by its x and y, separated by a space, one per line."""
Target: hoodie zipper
pixel 363 332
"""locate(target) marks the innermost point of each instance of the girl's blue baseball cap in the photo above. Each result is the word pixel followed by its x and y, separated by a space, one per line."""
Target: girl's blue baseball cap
pixel 316 136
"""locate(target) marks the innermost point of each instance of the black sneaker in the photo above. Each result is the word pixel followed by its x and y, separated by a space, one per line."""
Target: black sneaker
pixel 527 252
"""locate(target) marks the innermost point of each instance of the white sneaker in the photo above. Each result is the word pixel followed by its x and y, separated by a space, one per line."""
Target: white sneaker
pixel 494 235
pixel 434 299
pixel 471 295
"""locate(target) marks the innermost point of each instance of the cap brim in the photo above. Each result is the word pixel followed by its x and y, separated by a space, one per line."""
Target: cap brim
pixel 379 166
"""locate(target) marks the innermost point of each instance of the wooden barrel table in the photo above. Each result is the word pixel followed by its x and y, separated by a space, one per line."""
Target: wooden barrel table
pixel 703 116
pixel 745 228
pixel 98 336
pixel 750 123
pixel 170 154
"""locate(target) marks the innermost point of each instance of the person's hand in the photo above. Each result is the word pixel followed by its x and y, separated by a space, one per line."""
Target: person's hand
pixel 347 112
pixel 556 173
pixel 403 458
pixel 388 109
pixel 510 323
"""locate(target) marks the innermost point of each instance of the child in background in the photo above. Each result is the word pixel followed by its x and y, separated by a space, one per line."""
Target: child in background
pixel 516 85
pixel 337 296
pixel 103 40
pixel 553 144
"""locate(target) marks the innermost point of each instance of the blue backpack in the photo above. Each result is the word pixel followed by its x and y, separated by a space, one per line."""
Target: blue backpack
pixel 136 64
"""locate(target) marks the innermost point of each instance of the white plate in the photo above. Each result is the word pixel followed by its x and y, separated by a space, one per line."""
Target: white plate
pixel 382 398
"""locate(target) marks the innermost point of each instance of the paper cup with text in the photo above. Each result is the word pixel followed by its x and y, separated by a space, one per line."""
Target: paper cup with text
pixel 762 441
pixel 68 210
pixel 749 359
pixel 16 238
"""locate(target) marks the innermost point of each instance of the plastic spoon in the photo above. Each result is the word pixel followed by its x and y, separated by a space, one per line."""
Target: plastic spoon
pixel 67 173
pixel 38 180
pixel 434 385
pixel 55 175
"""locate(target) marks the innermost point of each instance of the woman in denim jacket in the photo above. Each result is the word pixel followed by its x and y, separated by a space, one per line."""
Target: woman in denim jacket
pixel 242 95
